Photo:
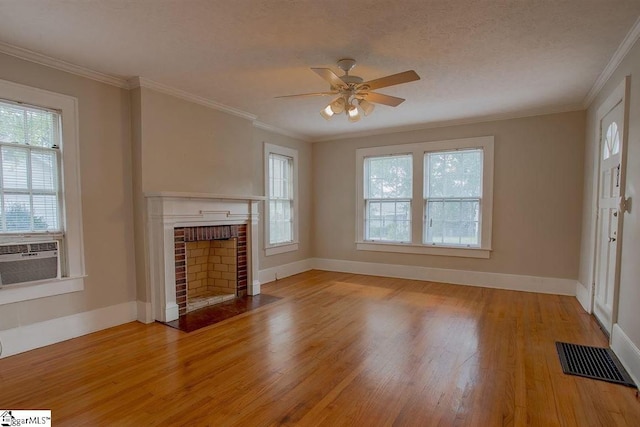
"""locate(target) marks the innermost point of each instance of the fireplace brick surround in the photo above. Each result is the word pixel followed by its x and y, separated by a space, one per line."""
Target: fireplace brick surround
pixel 182 235
pixel 173 219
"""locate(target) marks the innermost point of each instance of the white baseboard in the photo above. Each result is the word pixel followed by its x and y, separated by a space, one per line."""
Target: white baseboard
pixel 583 296
pixel 545 285
pixel 29 337
pixel 145 314
pixel 627 352
pixel 270 274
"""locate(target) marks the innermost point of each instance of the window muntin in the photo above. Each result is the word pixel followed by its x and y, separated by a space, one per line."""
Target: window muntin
pixel 388 194
pixel 281 199
pixel 453 197
pixel 30 199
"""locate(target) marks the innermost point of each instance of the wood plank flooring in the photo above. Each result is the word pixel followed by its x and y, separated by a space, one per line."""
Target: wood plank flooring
pixel 337 349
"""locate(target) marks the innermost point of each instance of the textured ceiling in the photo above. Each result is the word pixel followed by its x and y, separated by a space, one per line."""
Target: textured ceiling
pixel 476 58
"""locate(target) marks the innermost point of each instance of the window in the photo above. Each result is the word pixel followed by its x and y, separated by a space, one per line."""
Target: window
pixel 29 174
pixel 388 198
pixel 453 195
pixel 280 199
pixel 281 230
pixel 448 184
pixel 40 184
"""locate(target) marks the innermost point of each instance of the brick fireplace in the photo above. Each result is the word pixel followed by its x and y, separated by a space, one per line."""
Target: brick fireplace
pixel 211 265
pixel 215 224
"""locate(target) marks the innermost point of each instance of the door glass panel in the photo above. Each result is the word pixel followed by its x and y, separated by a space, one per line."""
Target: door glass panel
pixel 611 144
pixel 615 139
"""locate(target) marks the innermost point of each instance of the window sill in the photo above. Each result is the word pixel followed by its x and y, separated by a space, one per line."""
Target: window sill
pixel 408 248
pixel 280 249
pixel 45 288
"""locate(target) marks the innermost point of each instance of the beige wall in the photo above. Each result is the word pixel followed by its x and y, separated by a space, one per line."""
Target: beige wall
pixel 260 137
pixel 537 196
pixel 628 314
pixel 139 141
pixel 180 146
pixel 188 147
pixel 107 209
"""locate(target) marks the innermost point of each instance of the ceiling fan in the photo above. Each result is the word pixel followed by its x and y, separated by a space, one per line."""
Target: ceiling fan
pixel 353 93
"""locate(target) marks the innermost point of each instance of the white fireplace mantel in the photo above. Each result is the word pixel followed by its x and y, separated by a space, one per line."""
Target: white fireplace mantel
pixel 167 211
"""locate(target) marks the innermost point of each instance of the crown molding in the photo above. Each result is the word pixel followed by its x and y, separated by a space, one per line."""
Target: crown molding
pixel 275 129
pixel 117 81
pixel 457 122
pixel 38 58
pixel 632 36
pixel 187 96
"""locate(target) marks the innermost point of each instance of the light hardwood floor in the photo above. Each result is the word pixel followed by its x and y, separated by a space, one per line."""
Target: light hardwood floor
pixel 338 349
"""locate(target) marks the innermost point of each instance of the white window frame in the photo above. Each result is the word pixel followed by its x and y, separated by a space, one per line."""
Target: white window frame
pixel 274 249
pixel 72 253
pixel 418 150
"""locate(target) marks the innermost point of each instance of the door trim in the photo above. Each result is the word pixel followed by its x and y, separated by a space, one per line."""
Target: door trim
pixel 618 95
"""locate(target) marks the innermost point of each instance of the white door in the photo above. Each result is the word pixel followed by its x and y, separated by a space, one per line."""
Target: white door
pixel 609 221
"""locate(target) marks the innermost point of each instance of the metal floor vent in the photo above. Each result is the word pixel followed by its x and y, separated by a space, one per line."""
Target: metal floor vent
pixel 598 363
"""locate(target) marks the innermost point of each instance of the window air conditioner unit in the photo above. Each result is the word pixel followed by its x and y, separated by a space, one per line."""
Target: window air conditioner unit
pixel 28 262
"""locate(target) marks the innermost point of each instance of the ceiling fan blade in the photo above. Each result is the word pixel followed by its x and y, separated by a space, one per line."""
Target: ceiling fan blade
pixel 308 94
pixel 330 76
pixel 394 79
pixel 379 98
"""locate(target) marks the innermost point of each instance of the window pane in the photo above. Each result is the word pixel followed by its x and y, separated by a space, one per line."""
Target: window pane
pixel 373 229
pixel 25 125
pixel 17 212
pixel 388 221
pixel 14 168
pixel 388 177
pixel 41 128
pixel 612 141
pixel 45 213
pixel 11 124
pixel 280 172
pixel 453 174
pixel 280 221
pixel 453 222
pixel 44 171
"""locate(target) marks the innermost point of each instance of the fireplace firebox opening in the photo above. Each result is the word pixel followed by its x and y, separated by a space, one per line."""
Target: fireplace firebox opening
pixel 211 265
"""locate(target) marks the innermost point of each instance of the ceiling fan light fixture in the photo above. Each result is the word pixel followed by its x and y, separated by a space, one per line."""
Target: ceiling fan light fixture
pixel 337 106
pixel 327 112
pixel 367 107
pixel 353 113
pixel 354 95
